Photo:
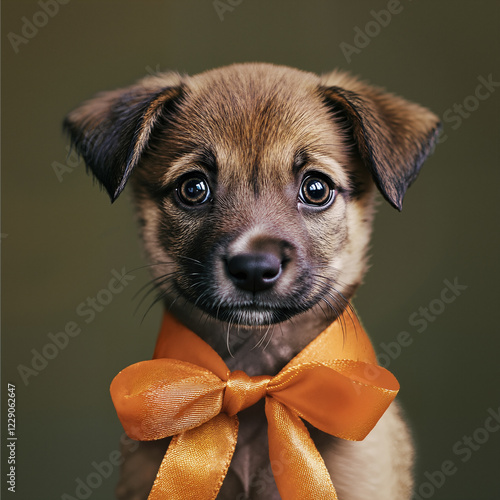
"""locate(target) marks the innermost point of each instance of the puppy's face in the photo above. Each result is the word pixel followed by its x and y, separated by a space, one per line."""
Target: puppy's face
pixel 254 183
pixel 250 195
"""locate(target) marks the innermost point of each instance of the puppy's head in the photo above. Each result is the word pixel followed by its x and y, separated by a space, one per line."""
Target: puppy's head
pixel 254 183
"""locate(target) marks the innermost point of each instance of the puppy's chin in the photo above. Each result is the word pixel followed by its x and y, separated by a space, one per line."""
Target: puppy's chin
pixel 237 314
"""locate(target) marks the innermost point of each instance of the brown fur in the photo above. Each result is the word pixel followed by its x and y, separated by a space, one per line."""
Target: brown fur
pixel 254 132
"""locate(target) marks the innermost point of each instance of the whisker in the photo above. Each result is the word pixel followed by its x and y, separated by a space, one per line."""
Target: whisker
pixel 262 339
pixel 154 287
pixel 145 266
pixel 270 338
pixel 162 284
pixel 339 303
pixel 157 299
pixel 151 283
pixel 190 259
pixel 228 334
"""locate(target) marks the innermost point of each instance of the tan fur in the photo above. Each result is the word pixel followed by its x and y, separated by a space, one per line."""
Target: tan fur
pixel 253 133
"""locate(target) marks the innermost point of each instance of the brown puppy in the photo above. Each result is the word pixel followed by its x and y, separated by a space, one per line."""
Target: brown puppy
pixel 254 187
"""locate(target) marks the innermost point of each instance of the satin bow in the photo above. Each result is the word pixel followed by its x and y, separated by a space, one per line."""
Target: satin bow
pixel 189 393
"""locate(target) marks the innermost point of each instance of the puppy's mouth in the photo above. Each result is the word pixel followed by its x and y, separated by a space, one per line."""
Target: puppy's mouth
pixel 252 313
pixel 262 309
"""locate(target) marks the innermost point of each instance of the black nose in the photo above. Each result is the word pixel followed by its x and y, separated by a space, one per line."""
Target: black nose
pixel 254 272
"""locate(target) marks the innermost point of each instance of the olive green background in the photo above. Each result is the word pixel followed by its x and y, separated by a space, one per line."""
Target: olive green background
pixel 61 238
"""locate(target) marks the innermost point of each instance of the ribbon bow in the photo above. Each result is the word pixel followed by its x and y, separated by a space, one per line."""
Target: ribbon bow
pixel 189 393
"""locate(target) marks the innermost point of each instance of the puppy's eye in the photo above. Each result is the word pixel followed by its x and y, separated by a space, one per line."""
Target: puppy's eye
pixel 316 190
pixel 193 190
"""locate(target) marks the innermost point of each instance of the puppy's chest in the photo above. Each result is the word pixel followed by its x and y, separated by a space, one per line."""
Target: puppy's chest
pixel 250 475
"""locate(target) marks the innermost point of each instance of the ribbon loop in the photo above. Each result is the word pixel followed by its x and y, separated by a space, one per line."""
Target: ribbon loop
pixel 243 391
pixel 162 397
pixel 344 398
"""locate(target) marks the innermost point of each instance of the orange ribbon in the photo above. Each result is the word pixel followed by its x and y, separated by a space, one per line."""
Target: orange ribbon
pixel 189 393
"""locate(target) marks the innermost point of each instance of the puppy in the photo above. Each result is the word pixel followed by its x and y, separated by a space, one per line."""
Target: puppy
pixel 254 186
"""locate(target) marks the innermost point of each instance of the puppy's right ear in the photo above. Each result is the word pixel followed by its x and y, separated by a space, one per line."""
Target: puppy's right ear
pixel 112 130
pixel 392 135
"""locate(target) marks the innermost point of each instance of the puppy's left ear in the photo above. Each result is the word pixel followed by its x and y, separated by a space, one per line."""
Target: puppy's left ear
pixel 112 130
pixel 393 136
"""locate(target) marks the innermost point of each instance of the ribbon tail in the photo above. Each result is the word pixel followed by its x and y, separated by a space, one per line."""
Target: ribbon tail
pixel 299 470
pixel 197 461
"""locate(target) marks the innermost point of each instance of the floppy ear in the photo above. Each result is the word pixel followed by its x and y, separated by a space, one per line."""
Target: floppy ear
pixel 393 136
pixel 112 130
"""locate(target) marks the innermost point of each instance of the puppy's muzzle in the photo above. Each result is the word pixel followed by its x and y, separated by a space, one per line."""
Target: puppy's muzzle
pixel 255 272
